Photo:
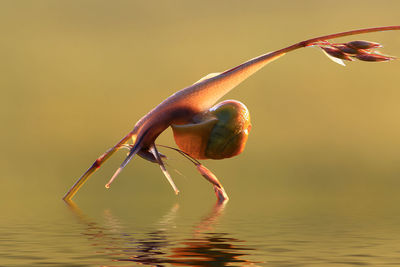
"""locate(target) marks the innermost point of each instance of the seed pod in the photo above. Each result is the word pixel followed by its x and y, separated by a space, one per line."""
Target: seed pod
pixel 363 44
pixel 335 52
pixel 373 57
pixel 345 49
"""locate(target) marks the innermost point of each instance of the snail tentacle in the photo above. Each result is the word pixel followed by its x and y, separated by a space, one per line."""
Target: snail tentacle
pixel 132 153
pixel 156 154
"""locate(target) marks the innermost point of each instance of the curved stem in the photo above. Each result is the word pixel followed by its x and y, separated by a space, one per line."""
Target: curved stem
pixel 205 93
pixel 271 56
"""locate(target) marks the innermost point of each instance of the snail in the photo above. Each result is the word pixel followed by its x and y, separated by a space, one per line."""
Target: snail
pixel 219 133
pixel 204 131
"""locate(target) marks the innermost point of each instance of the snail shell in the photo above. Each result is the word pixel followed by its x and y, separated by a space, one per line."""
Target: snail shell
pixel 219 133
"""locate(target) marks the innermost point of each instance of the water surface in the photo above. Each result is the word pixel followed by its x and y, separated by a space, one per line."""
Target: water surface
pixel 216 235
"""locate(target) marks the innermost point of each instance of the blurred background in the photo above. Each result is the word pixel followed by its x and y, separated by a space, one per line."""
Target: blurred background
pixel 77 75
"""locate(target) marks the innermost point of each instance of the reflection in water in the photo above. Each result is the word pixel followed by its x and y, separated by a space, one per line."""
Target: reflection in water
pixel 159 247
pixel 214 249
pixel 205 249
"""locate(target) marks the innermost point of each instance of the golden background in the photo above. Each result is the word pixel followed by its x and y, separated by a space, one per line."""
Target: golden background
pixel 77 75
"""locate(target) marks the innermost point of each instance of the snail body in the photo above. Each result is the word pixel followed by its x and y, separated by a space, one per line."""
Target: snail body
pixel 221 132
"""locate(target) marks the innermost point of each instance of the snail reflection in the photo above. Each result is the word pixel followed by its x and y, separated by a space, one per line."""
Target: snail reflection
pixel 202 131
pixel 202 246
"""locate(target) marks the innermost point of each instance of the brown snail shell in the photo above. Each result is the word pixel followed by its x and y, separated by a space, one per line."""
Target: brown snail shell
pixel 220 133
